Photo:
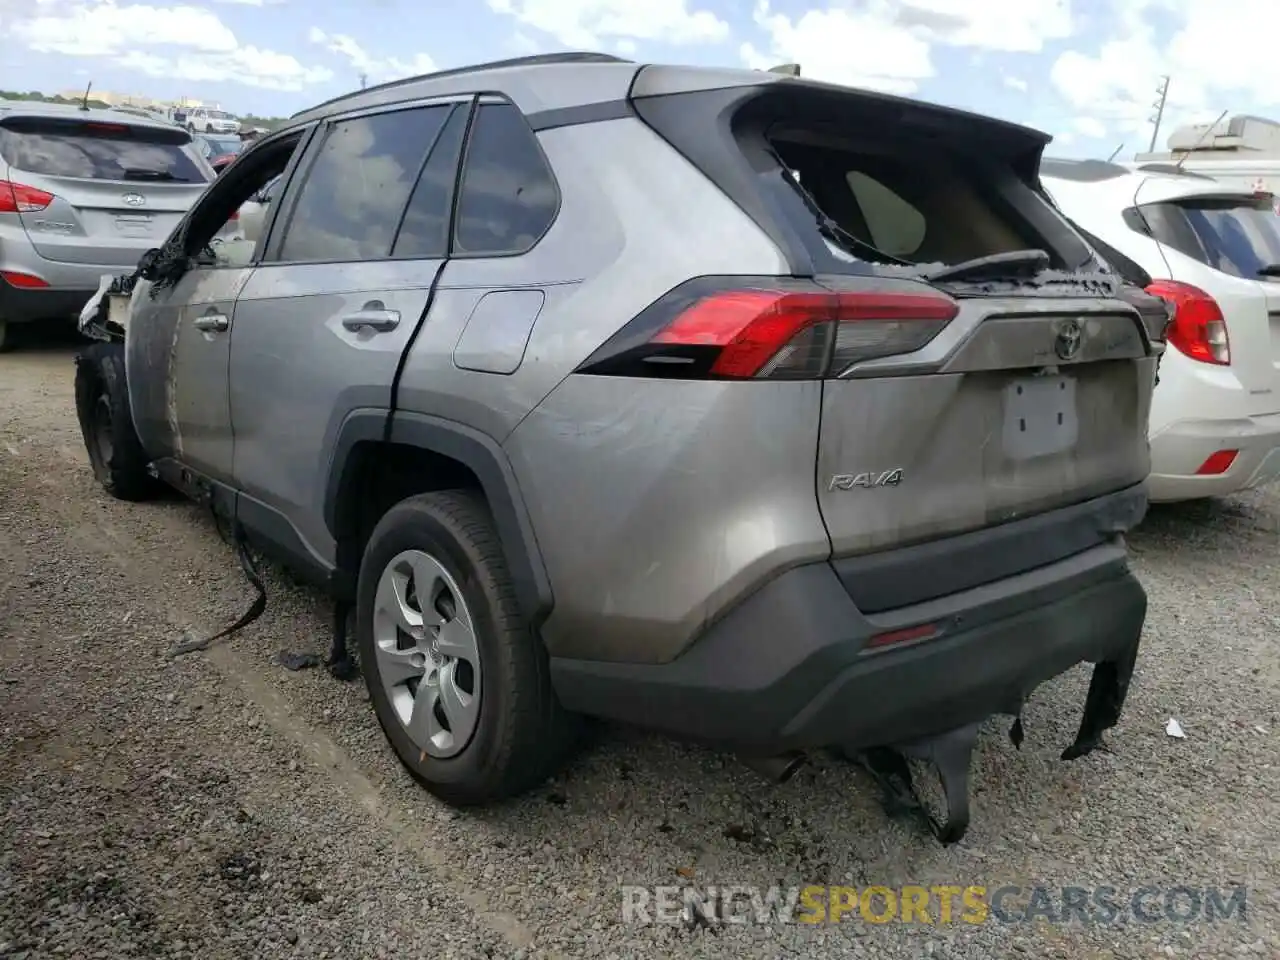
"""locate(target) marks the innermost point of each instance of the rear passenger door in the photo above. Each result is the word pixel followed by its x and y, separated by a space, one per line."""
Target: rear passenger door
pixel 352 254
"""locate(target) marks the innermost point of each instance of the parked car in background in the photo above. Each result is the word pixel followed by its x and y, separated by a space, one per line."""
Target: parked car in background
pixel 1213 252
pixel 142 112
pixel 555 431
pixel 205 120
pixel 83 193
pixel 220 150
pixel 218 145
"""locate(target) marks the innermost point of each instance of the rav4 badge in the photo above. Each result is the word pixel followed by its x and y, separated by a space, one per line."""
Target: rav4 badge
pixel 852 481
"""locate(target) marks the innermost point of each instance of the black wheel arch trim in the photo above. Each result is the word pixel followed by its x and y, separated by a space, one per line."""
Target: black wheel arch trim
pixel 484 457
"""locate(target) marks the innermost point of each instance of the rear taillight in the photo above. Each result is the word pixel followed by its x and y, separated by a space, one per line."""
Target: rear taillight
pixel 23 281
pixel 19 198
pixel 757 328
pixel 1198 329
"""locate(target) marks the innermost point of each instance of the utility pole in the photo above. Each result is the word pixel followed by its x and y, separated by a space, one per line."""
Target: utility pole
pixel 364 80
pixel 1163 94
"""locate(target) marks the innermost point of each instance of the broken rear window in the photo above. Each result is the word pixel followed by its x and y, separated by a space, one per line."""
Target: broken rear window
pixel 923 209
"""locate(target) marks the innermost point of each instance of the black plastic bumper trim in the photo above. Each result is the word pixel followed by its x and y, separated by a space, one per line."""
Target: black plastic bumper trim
pixel 910 575
pixel 787 669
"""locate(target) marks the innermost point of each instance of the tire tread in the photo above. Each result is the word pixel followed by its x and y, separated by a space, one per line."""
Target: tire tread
pixel 534 735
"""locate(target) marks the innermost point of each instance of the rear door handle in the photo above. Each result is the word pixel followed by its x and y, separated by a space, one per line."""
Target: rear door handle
pixel 212 323
pixel 376 319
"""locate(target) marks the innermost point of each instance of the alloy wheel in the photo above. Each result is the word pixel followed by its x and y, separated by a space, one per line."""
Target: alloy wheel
pixel 425 653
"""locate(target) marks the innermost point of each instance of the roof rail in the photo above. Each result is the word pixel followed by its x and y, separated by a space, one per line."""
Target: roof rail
pixel 1083 171
pixel 1173 168
pixel 538 59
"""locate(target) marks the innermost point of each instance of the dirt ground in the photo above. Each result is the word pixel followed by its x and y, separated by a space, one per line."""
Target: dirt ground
pixel 218 805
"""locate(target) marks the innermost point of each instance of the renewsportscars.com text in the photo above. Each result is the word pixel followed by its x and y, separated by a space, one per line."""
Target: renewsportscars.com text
pixel 814 904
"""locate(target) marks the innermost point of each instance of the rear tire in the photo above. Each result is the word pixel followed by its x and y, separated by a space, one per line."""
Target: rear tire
pixel 514 734
pixel 6 336
pixel 106 423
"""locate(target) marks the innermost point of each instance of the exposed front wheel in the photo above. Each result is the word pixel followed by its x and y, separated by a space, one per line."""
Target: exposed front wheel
pixel 106 423
pixel 459 683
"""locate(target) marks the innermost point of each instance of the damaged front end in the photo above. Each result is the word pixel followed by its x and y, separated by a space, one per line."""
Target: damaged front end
pixel 106 316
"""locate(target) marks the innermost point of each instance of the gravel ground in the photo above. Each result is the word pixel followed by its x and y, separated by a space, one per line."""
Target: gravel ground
pixel 218 805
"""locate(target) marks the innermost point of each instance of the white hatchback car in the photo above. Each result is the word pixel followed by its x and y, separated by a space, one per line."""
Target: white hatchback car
pixel 1213 252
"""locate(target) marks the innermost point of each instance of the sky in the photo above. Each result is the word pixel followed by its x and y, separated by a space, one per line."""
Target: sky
pixel 1086 71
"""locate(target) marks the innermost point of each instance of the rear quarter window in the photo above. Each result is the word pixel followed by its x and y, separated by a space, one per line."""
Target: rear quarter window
pixel 509 195
pixel 88 156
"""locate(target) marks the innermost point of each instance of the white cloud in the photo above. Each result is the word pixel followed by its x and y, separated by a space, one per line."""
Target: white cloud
pixel 1090 127
pixel 1014 83
pixel 521 44
pixel 105 28
pixel 1219 56
pixel 183 42
pixel 886 44
pixel 586 24
pixel 888 57
pixel 1014 27
pixel 376 69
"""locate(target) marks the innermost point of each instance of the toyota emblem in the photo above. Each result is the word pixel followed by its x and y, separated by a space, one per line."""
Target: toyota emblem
pixel 134 200
pixel 1070 335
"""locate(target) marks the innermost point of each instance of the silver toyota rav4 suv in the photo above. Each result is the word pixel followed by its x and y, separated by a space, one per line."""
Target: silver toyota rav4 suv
pixel 769 413
pixel 83 193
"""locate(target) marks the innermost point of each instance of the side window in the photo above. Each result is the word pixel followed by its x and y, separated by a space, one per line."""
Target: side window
pixel 508 196
pixel 225 227
pixel 424 232
pixel 355 191
pixel 896 226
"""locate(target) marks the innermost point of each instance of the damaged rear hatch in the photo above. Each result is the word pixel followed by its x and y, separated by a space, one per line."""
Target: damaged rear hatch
pixel 1018 381
pixel 99 192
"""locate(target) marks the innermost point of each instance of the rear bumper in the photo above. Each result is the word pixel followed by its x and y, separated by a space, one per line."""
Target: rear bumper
pixel 1178 451
pixel 789 668
pixel 20 305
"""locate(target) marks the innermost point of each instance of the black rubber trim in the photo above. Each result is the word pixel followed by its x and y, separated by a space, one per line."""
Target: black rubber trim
pixel 458 163
pixel 898 578
pixel 586 113
pixel 537 59
pixel 267 528
pixel 739 687
pixel 480 454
